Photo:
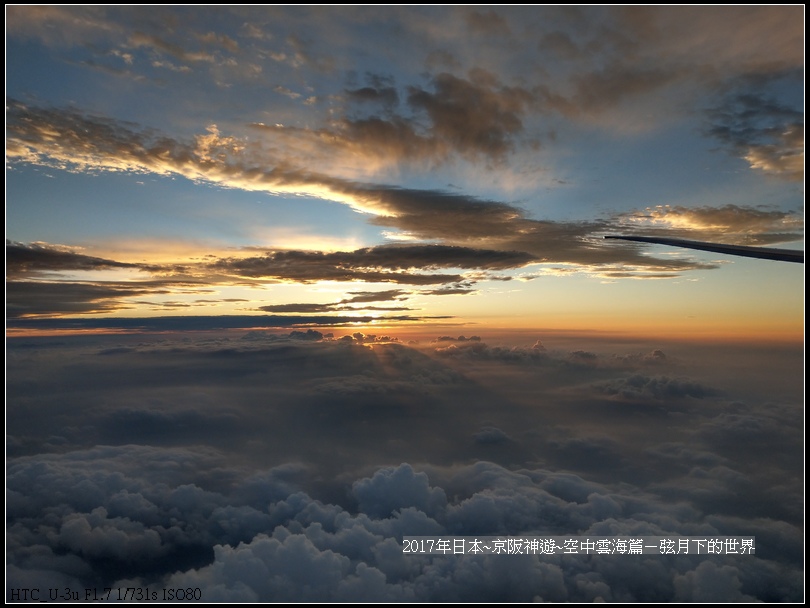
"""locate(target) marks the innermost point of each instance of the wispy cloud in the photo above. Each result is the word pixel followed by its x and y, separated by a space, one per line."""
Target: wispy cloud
pixel 30 260
pixel 382 264
pixel 729 223
pixel 57 298
pixel 30 294
pixel 71 140
pixel 767 134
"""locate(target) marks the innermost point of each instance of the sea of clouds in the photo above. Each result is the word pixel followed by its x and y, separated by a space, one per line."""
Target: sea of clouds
pixel 271 467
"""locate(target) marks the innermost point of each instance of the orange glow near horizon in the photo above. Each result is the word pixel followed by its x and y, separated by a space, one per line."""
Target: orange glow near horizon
pixel 638 329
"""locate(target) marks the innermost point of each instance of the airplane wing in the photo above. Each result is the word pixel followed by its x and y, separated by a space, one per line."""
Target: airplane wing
pixel 763 253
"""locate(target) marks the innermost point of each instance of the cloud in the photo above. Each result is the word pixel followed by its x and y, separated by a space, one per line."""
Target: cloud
pixel 708 583
pixel 301 308
pixel 561 44
pixel 754 39
pixel 639 388
pixel 784 157
pixel 270 457
pixel 477 116
pixel 729 223
pixel 311 308
pixel 87 143
pixel 26 299
pixel 375 296
pixel 161 46
pixel 441 61
pixel 61 26
pixel 181 323
pixel 221 40
pixel 657 54
pixel 309 334
pixel 473 348
pixel 607 88
pixel 393 489
pixel 655 357
pixel 295 464
pixel 487 23
pixel 372 264
pixel 466 110
pixel 769 135
pixel 472 118
pixel 491 435
pixel 37 259
pixel 42 280
pixel 383 264
pixel 386 96
pixel 461 290
pixel 385 141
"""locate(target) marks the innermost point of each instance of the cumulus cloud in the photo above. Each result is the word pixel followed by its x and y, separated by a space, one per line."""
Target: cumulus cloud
pixel 640 387
pixel 473 348
pixel 491 435
pixel 459 339
pixel 297 462
pixel 395 489
pixel 310 334
pixel 708 583
pixel 655 357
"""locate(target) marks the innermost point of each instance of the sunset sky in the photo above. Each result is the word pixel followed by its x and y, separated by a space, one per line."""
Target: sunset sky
pixel 414 166
pixel 284 285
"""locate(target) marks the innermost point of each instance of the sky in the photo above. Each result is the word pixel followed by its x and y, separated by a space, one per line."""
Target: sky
pixel 285 284
pixel 462 163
